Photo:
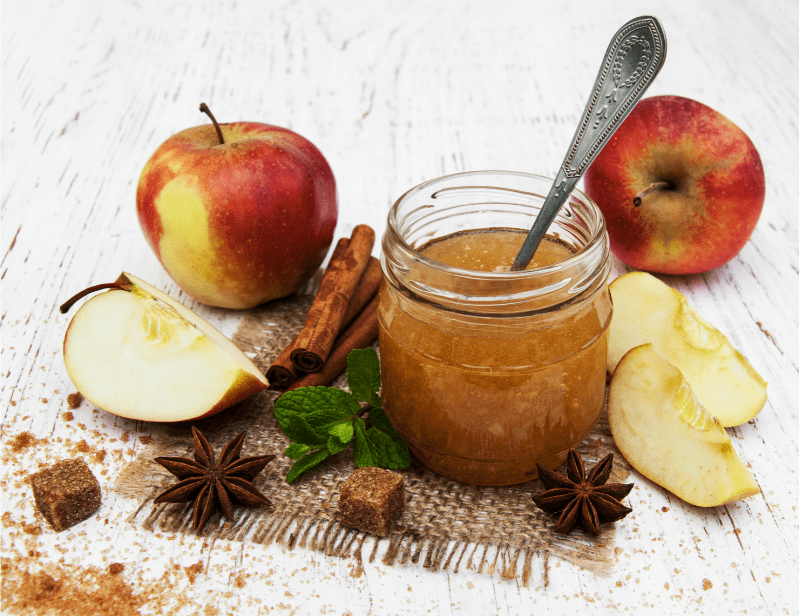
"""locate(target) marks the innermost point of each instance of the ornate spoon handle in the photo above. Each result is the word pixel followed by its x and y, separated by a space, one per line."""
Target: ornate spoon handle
pixel 632 61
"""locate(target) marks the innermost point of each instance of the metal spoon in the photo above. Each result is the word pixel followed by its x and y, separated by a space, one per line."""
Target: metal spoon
pixel 632 61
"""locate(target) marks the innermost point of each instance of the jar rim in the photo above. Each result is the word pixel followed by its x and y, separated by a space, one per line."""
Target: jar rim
pixel 598 236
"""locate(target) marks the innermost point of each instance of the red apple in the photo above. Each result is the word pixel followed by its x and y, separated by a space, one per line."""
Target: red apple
pixel 238 214
pixel 680 185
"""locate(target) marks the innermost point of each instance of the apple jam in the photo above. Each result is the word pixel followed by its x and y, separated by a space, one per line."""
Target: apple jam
pixel 487 372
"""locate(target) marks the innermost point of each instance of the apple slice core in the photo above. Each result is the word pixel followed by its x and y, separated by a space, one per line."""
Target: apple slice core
pixel 142 355
pixel 666 434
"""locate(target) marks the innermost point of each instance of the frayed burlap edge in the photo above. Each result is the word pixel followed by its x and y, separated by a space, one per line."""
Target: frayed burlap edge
pixel 446 526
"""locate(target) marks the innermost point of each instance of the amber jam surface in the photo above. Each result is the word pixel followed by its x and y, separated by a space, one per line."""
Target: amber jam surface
pixel 492 250
pixel 482 396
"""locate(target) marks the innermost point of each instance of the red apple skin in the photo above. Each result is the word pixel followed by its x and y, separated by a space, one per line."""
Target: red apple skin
pixel 717 191
pixel 240 223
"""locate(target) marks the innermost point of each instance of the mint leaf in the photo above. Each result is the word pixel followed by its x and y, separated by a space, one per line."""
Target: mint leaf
pixel 335 445
pixel 391 453
pixel 295 451
pixel 364 375
pixel 318 407
pixel 377 417
pixel 342 431
pixel 339 437
pixel 323 421
pixel 373 447
pixel 297 429
pixel 364 453
pixel 306 463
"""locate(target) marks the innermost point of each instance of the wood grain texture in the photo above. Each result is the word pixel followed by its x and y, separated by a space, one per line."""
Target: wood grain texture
pixel 393 93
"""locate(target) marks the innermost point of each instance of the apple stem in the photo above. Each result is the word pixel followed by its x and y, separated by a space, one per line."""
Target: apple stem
pixel 204 108
pixel 98 287
pixel 637 200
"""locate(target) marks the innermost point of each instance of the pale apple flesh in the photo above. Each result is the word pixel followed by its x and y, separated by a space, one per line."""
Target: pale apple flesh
pixel 648 311
pixel 240 223
pixel 667 435
pixel 137 353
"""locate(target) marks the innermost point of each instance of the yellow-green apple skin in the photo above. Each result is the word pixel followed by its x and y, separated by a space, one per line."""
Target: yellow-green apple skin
pixel 240 223
pixel 648 311
pixel 137 353
pixel 715 195
pixel 667 435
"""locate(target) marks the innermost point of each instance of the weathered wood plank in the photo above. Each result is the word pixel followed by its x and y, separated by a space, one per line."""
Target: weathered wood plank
pixel 393 93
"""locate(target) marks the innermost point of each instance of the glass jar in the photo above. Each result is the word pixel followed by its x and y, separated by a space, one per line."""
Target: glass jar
pixel 486 374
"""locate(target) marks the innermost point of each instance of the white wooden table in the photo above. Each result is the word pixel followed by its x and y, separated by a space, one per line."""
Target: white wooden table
pixel 393 93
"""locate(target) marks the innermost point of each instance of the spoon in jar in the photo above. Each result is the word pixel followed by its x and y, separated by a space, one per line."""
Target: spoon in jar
pixel 632 61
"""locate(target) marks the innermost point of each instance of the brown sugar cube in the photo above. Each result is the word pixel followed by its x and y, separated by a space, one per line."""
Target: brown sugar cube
pixel 371 499
pixel 66 493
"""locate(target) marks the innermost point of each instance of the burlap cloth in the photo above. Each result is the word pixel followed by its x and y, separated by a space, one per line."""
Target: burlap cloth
pixel 446 525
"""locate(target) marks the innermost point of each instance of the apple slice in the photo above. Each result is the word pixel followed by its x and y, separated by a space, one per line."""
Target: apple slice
pixel 648 311
pixel 135 352
pixel 663 430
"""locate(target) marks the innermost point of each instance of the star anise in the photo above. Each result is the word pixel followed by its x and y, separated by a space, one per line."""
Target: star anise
pixel 214 484
pixel 580 499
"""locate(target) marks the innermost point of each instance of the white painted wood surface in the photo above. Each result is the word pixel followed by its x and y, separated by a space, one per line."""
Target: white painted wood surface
pixel 393 93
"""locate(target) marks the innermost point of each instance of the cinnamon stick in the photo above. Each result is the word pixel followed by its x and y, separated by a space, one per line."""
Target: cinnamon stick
pixel 282 373
pixel 367 287
pixel 326 314
pixel 361 333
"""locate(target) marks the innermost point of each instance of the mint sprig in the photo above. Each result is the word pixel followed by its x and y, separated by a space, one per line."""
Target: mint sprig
pixel 323 421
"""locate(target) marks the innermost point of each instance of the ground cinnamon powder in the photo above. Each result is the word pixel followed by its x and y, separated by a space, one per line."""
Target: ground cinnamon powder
pixel 22 441
pixel 77 591
pixel 74 400
pixel 57 589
